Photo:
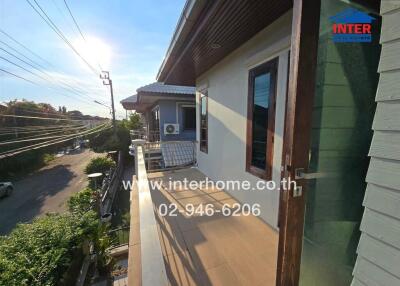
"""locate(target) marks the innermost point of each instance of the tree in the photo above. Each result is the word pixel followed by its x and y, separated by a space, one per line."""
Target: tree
pixel 108 141
pixel 23 163
pixel 75 113
pixel 134 122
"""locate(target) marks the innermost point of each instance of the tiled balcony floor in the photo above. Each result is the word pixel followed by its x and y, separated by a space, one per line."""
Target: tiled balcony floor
pixel 210 250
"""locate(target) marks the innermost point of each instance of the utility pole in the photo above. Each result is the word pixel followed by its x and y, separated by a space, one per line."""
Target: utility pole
pixel 105 76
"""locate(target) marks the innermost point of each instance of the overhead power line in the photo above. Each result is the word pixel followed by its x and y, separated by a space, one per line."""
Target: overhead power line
pixel 29 140
pixel 20 77
pixel 25 47
pixel 32 146
pixel 79 29
pixel 67 116
pixel 37 127
pixel 41 137
pixel 33 82
pixel 21 54
pixel 41 118
pixel 45 17
pixel 32 53
pixel 62 84
pixel 53 80
pixel 38 84
pixel 42 131
pixel 73 19
pixel 54 27
pixel 35 74
pixel 21 67
pixel 53 142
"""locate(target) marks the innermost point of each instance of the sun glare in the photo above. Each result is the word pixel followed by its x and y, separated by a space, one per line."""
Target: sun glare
pixel 95 51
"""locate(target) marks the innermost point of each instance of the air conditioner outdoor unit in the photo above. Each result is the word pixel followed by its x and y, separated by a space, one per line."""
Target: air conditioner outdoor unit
pixel 171 128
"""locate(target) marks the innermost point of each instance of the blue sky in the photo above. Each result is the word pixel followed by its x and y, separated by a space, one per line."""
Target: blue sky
pixel 128 38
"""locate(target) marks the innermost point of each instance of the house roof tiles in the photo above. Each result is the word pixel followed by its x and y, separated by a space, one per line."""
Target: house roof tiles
pixel 159 87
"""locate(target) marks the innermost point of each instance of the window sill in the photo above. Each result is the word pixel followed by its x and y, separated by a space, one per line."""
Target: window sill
pixel 259 173
pixel 204 150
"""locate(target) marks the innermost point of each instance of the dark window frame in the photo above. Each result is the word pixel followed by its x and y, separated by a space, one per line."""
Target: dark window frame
pixel 155 119
pixel 183 109
pixel 272 68
pixel 203 141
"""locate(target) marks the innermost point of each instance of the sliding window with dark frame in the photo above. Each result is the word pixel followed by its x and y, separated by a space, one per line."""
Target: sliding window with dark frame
pixel 189 118
pixel 261 119
pixel 204 122
pixel 155 119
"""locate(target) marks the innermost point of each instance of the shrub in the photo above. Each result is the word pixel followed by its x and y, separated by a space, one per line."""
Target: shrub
pixel 18 166
pixel 47 158
pixel 40 253
pixel 82 202
pixel 99 165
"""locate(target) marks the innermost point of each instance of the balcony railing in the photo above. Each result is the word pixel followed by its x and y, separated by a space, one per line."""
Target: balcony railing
pixel 149 268
pixel 152 268
pixel 166 155
pixel 148 135
pixel 153 136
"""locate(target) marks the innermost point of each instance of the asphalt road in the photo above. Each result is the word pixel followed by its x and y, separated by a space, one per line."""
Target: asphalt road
pixel 46 190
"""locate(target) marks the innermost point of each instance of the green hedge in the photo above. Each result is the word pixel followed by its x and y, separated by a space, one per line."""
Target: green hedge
pixel 41 252
pixel 99 165
pixel 82 202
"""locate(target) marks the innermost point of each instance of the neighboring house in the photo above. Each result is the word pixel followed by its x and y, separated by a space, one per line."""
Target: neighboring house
pixel 277 97
pixel 3 107
pixel 169 111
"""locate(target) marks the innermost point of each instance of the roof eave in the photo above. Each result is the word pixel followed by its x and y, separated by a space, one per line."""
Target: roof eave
pixel 187 20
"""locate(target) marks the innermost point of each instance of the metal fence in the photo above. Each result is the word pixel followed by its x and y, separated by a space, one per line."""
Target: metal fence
pixel 119 236
pixel 169 155
pixel 111 185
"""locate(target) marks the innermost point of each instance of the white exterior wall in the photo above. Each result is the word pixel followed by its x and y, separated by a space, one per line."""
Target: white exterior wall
pixel 378 261
pixel 227 86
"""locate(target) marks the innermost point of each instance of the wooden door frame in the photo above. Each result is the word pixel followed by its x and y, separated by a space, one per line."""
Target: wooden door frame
pixel 300 96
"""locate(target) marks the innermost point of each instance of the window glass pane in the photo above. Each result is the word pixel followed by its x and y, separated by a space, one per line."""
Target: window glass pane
pixel 203 105
pixel 189 118
pixel 260 119
pixel 154 120
pixel 343 111
pixel 203 123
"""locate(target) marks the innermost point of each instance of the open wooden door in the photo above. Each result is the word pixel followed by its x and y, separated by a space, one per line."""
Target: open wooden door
pixel 329 115
pixel 303 59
